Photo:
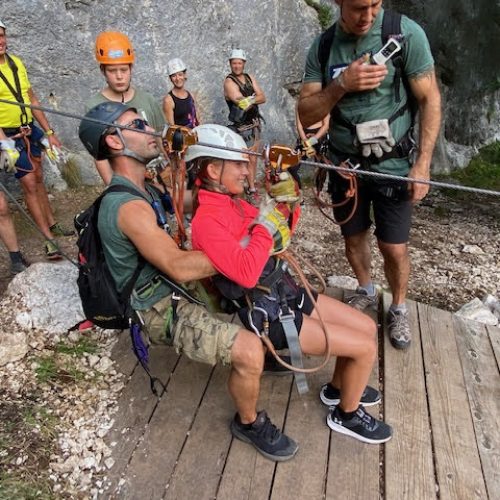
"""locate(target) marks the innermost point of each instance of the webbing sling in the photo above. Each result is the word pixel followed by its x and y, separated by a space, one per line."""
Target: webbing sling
pixel 287 320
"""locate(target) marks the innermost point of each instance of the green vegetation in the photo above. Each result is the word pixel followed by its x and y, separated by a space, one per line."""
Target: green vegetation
pixel 84 345
pixel 484 169
pixel 27 439
pixel 325 15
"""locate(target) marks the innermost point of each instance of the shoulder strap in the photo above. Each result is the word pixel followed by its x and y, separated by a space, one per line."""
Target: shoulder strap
pixel 325 44
pixel 391 27
pixel 16 92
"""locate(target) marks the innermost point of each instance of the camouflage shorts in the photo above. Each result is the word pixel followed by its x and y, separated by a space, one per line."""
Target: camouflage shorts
pixel 197 333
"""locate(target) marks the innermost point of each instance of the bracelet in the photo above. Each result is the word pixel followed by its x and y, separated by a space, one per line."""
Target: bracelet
pixel 49 132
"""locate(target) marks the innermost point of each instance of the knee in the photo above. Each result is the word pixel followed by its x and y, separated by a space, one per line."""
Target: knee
pixel 28 183
pixel 249 358
pixel 394 253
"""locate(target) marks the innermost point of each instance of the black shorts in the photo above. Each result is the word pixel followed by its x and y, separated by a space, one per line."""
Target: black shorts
pixel 392 208
pixel 300 306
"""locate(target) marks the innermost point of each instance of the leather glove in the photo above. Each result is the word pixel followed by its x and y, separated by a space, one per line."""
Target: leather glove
pixel 286 189
pixel 272 218
pixel 308 146
pixel 9 155
pixel 246 102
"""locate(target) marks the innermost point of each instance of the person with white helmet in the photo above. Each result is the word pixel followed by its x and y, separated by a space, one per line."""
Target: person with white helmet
pixel 243 96
pixel 128 227
pixel 115 54
pixel 22 144
pixel 242 243
pixel 179 105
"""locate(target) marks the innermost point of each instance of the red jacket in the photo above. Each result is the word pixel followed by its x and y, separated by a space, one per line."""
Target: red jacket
pixel 220 229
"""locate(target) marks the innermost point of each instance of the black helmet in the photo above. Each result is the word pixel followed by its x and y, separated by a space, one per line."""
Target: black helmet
pixel 91 132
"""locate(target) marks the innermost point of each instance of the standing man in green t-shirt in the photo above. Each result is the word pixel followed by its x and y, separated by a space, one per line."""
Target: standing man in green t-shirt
pixel 364 96
pixel 115 55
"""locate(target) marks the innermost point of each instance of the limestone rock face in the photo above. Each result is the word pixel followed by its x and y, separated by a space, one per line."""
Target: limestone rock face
pixel 56 40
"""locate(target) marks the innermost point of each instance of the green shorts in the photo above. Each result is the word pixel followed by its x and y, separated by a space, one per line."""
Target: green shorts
pixel 198 334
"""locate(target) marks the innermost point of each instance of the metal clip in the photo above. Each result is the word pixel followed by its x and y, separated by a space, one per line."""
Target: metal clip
pixel 251 323
pixel 177 139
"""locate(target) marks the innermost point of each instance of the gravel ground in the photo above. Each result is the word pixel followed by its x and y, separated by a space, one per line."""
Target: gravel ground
pixel 57 404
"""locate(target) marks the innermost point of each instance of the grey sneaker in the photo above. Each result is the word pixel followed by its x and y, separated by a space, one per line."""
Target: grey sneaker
pixel 362 426
pixel 58 230
pixel 399 329
pixel 360 300
pixel 19 266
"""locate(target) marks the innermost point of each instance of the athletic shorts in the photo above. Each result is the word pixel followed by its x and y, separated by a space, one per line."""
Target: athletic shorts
pixel 390 201
pixel 300 306
pixel 196 333
pixel 24 163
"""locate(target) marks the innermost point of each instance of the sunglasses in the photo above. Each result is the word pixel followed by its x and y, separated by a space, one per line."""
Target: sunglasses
pixel 137 124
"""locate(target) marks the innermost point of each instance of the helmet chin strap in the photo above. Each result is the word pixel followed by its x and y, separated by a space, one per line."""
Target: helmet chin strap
pixel 128 152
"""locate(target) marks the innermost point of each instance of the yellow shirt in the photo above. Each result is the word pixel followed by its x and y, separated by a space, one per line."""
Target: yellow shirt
pixel 10 116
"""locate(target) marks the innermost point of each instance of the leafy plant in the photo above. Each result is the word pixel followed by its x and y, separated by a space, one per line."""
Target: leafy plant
pixel 325 14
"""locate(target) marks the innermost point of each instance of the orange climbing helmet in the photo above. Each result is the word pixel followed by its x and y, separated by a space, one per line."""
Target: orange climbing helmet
pixel 113 47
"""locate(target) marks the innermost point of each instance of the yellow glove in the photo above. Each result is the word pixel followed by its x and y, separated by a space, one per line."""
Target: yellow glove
pixel 246 102
pixel 308 145
pixel 277 226
pixel 286 189
pixel 8 155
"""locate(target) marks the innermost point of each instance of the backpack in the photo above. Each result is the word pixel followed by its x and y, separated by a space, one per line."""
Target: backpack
pixel 391 28
pixel 101 301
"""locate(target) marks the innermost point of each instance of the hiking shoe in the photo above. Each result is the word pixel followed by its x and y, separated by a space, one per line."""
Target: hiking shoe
pixel 20 265
pixel 362 426
pixel 58 230
pixel 399 329
pixel 330 396
pixel 265 437
pixel 51 250
pixel 360 300
pixel 273 367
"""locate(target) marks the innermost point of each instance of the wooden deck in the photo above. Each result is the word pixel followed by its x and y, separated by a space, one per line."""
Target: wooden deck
pixel 442 397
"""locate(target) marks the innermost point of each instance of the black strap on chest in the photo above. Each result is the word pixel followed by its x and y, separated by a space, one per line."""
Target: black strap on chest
pixel 17 91
pixel 246 88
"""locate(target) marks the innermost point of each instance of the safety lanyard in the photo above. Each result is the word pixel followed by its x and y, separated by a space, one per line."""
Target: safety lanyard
pixel 16 92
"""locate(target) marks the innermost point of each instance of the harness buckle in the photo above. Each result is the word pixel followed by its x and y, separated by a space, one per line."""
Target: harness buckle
pixel 25 130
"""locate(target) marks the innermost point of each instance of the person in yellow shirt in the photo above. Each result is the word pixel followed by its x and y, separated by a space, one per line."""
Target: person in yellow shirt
pixel 21 139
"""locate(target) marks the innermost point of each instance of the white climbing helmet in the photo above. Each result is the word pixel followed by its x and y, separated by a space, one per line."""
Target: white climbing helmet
pixel 2 25
pixel 175 66
pixel 238 54
pixel 217 135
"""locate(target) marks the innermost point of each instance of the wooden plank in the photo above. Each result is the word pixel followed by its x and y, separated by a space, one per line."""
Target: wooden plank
pixel 483 386
pixel 123 355
pixel 304 476
pixel 494 334
pixel 136 405
pixel 353 468
pixel 458 466
pixel 409 471
pixel 154 459
pixel 247 474
pixel 200 465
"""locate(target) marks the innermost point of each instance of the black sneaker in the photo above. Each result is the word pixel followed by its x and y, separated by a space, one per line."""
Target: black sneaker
pixel 272 367
pixel 362 426
pixel 330 396
pixel 265 437
pixel 20 265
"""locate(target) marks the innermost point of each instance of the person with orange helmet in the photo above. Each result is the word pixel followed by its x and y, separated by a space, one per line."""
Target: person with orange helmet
pixel 115 54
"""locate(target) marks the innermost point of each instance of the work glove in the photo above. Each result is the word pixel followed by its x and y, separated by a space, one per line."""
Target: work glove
pixel 246 102
pixel 272 218
pixel 286 189
pixel 308 146
pixel 374 137
pixel 8 155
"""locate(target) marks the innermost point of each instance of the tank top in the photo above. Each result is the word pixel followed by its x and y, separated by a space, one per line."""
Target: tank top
pixel 184 111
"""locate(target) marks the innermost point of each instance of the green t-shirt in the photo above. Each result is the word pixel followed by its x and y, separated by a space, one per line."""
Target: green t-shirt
pixel 145 104
pixel 120 253
pixel 380 103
